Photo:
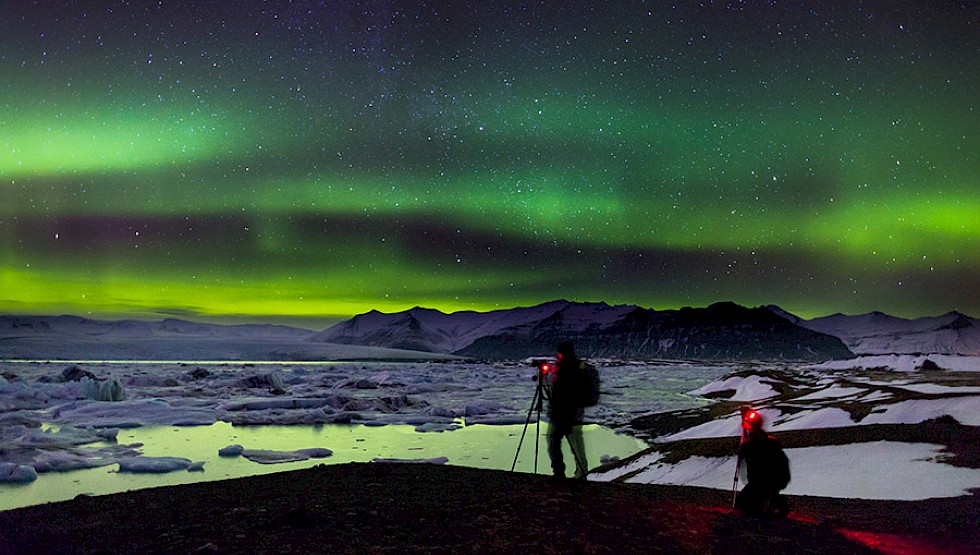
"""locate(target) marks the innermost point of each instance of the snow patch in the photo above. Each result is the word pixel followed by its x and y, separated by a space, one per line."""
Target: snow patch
pixel 966 411
pixel 875 470
pixel 751 388
pixel 830 417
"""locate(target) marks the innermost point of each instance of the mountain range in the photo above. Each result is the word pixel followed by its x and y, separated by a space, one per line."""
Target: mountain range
pixel 721 331
pixel 878 333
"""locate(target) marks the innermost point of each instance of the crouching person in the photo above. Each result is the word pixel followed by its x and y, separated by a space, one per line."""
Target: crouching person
pixel 766 470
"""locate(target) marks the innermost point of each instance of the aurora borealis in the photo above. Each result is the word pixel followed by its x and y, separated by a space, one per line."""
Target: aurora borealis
pixel 308 160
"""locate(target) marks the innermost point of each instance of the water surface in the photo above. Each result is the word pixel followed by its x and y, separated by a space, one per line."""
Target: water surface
pixel 478 446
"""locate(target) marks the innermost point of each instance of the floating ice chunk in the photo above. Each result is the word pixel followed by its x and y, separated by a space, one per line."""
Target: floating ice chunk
pixel 371 382
pixel 231 451
pixel 108 434
pixel 383 404
pixel 65 460
pixel 440 412
pixel 28 419
pixel 64 436
pixel 138 412
pixel 152 381
pixel 381 378
pixel 277 417
pixel 105 390
pixel 270 380
pixel 437 427
pixel 280 403
pixel 265 456
pixel 316 452
pixel 497 419
pixel 481 408
pixel 74 374
pixel 17 473
pixel 156 465
pixel 436 460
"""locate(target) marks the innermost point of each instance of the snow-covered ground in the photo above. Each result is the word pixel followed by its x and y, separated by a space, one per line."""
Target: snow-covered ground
pixel 873 470
pixel 58 417
pixel 903 363
pixel 843 395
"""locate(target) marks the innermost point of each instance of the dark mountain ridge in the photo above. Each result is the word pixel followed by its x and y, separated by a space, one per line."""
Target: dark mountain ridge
pixel 721 331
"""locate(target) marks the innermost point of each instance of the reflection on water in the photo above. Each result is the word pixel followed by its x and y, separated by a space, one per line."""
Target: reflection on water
pixel 479 446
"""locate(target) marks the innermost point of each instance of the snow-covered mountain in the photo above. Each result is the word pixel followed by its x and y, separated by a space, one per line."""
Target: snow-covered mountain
pixel 76 338
pixel 878 333
pixel 720 331
pixel 424 329
pixel 68 326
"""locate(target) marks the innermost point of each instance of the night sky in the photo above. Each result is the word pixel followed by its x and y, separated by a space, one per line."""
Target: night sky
pixel 305 161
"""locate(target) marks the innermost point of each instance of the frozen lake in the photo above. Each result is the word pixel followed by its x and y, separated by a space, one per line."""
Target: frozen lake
pixel 479 446
pixel 471 414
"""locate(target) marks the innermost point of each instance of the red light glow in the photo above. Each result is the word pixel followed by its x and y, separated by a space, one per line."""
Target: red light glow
pixel 889 544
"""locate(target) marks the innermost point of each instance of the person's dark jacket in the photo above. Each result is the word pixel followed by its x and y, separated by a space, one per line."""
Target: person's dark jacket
pixel 566 394
pixel 765 462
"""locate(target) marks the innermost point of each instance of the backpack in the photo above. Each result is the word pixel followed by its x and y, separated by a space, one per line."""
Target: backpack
pixel 780 477
pixel 590 385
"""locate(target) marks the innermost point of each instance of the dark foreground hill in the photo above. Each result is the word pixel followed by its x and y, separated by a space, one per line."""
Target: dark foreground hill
pixel 419 508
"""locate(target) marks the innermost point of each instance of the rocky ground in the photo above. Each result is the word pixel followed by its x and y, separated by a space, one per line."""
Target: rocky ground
pixel 422 508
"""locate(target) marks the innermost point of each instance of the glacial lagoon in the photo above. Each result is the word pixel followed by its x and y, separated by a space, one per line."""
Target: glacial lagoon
pixel 478 446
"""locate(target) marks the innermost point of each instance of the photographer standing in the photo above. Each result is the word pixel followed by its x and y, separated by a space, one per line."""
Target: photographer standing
pixel 565 411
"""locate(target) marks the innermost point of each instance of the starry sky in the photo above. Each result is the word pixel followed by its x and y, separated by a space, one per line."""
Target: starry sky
pixel 304 161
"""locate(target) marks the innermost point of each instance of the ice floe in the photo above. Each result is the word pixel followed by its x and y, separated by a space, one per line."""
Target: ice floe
pixel 158 465
pixel 268 456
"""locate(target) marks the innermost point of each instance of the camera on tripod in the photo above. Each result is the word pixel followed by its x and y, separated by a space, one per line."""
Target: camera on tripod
pixel 545 366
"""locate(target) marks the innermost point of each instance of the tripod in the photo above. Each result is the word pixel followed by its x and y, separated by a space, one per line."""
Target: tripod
pixel 738 462
pixel 541 392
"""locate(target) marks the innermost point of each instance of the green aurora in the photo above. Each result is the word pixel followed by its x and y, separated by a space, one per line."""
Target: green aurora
pixel 300 161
